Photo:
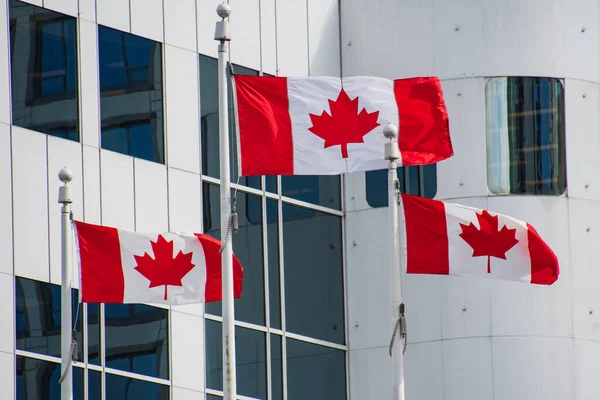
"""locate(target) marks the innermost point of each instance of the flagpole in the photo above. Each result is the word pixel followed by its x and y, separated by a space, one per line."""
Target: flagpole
pixel 222 34
pixel 392 154
pixel 66 322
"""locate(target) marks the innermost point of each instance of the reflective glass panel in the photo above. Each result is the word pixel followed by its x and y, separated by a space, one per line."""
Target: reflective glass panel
pixel 276 368
pixel 209 110
pixel 37 379
pixel 94 350
pixel 418 181
pixel 122 388
pixel 314 293
pixel 273 257
pixel 247 247
pixel 321 190
pixel 250 358
pixel 137 339
pixel 44 71
pixel 315 372
pixel 38 319
pixel 131 94
pixel 525 125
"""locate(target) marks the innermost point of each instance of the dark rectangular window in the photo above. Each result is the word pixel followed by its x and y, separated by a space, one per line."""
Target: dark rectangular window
pixel 525 126
pixel 38 379
pixel 418 181
pixel 131 94
pixel 123 388
pixel 38 319
pixel 44 70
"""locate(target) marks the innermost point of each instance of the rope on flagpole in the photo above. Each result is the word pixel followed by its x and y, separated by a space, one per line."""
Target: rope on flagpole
pixel 400 323
pixel 233 217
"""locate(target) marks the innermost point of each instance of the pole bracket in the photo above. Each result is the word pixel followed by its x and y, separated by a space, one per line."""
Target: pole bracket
pixel 400 325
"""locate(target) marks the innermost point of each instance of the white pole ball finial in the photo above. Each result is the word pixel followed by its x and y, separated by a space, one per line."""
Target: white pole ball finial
pixel 65 175
pixel 223 10
pixel 390 131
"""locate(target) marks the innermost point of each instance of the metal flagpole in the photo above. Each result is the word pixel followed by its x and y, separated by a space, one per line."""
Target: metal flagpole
pixel 66 343
pixel 392 154
pixel 222 34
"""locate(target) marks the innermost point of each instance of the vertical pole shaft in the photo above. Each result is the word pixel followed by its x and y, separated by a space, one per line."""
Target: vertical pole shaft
pixel 395 272
pixel 64 197
pixel 229 373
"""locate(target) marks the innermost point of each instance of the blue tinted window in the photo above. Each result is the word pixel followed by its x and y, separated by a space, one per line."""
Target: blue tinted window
pixel 525 129
pixel 131 94
pixel 37 379
pixel 44 70
pixel 122 388
pixel 418 181
pixel 137 339
pixel 38 320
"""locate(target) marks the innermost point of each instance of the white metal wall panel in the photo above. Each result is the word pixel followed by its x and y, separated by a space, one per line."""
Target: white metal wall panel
pixel 5 100
pixel 6 215
pixel 206 18
pixel 185 205
pixel 245 33
pixel 7 315
pixel 423 371
pixel 87 10
pixel 587 358
pixel 147 19
pixel 292 38
pixel 114 14
pixel 582 37
pixel 323 37
pixel 182 109
pixel 117 192
pixel 91 184
pixel 68 7
pixel 30 204
pixel 180 23
pixel 369 373
pixel 150 180
pixel 467 369
pixel 187 351
pixel 7 379
pixel 89 83
pixel 268 37
pixel 185 394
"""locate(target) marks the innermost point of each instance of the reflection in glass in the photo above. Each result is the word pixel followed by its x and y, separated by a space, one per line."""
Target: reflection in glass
pixel 312 250
pixel 44 71
pixel 525 125
pixel 247 247
pixel 122 388
pixel 273 257
pixel 93 312
pixel 131 94
pixel 137 339
pixel 276 368
pixel 250 353
pixel 37 315
pixel 321 190
pixel 315 372
pixel 209 122
pixel 94 385
pixel 418 181
pixel 37 379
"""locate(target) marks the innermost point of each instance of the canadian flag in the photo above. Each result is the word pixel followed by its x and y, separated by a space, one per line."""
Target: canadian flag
pixel 451 239
pixel 328 125
pixel 119 266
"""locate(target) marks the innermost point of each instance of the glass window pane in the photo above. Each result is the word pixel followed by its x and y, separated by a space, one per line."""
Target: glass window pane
pixel 250 356
pixel 312 250
pixel 209 110
pixel 415 180
pixel 276 368
pixel 137 339
pixel 213 397
pixel 44 70
pixel 315 372
pixel 122 388
pixel 93 311
pixel 321 190
pixel 273 257
pixel 131 94
pixel 94 385
pixel 37 379
pixel 525 129
pixel 247 246
pixel 38 319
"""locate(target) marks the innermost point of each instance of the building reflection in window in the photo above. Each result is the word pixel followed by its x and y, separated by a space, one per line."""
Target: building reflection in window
pixel 312 261
pixel 137 339
pixel 418 181
pixel 38 321
pixel 44 71
pixel 525 127
pixel 131 94
pixel 247 246
pixel 123 388
pixel 251 353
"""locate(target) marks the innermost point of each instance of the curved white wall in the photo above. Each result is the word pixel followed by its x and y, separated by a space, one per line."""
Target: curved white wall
pixel 514 341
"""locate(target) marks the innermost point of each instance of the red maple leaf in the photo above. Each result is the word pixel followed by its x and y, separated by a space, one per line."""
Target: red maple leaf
pixel 163 269
pixel 488 240
pixel 345 124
